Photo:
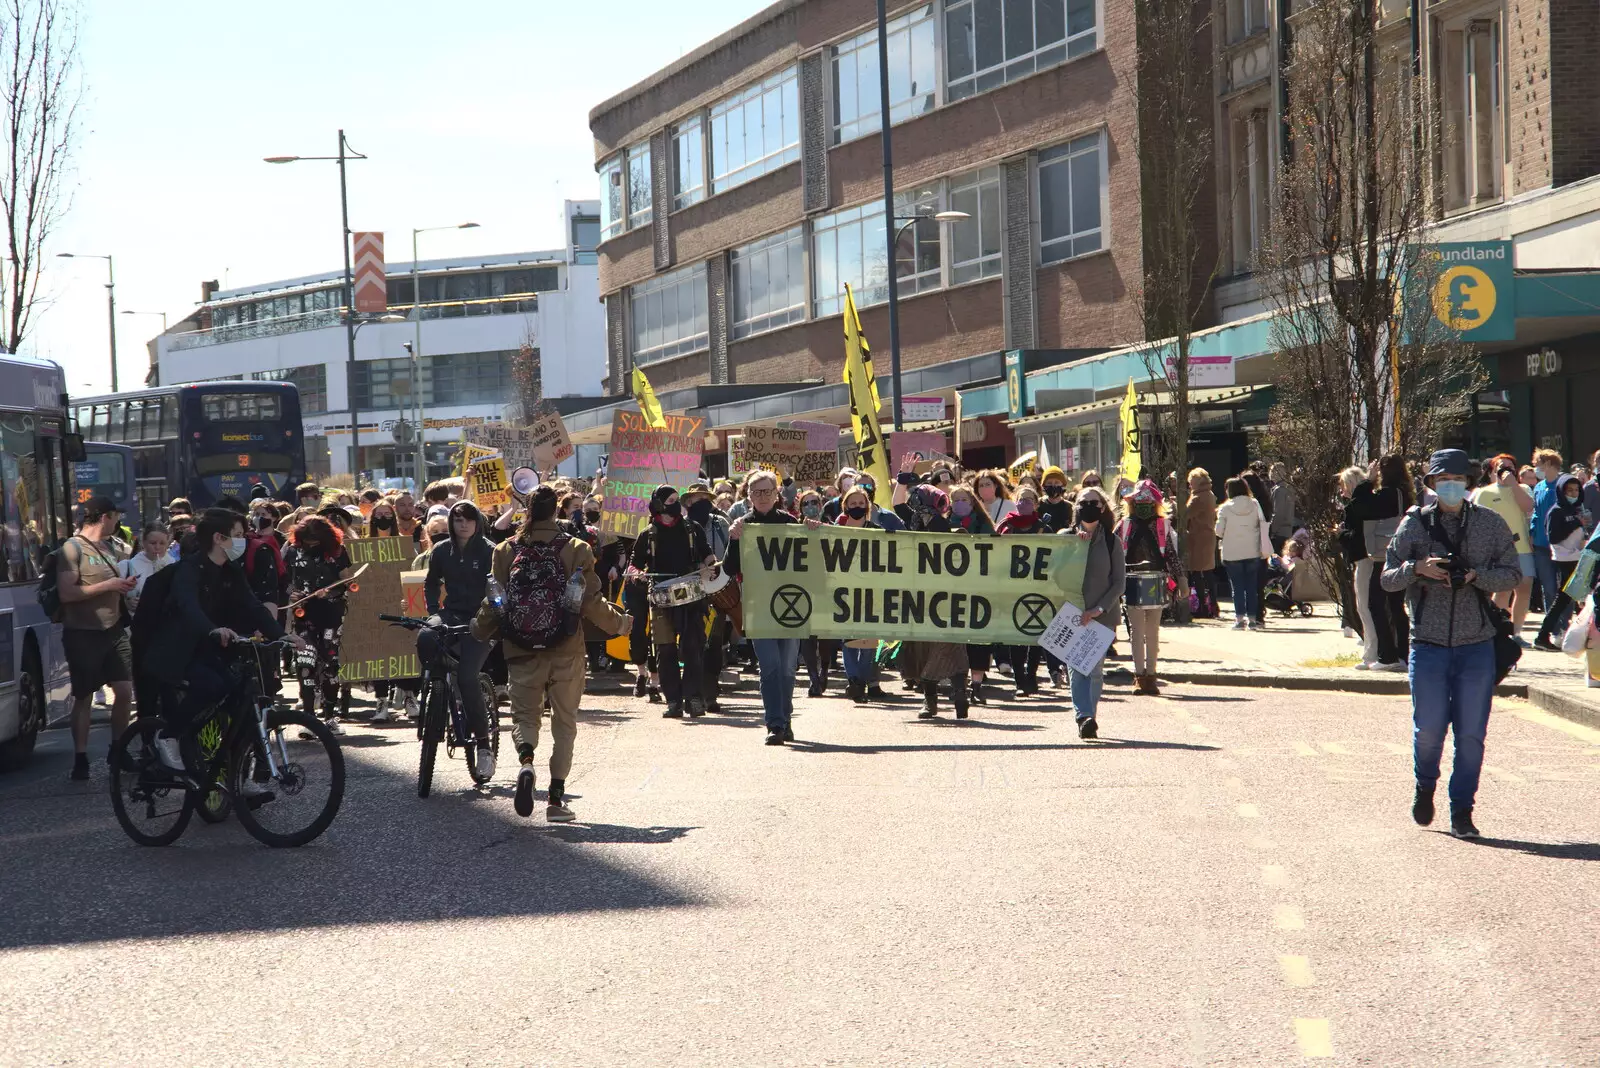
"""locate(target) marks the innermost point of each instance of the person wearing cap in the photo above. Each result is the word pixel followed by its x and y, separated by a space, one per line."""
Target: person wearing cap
pixel 1448 558
pixel 671 547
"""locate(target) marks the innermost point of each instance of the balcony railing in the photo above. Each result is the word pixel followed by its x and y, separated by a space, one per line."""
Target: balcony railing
pixel 520 304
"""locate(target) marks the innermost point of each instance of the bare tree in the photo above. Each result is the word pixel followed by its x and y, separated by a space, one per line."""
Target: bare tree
pixel 40 88
pixel 1176 178
pixel 1363 368
pixel 527 379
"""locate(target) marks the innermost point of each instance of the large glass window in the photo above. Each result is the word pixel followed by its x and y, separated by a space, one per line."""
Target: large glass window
pixel 848 246
pixel 639 195
pixel 231 408
pixel 913 75
pixel 769 283
pixel 975 241
pixel 991 42
pixel 917 239
pixel 1070 180
pixel 613 211
pixel 755 131
pixel 469 378
pixel 688 163
pixel 311 380
pixel 669 315
pixel 379 384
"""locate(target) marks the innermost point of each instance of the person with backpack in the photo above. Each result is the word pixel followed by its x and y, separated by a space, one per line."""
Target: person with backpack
pixel 670 547
pixel 548 588
pixel 1447 558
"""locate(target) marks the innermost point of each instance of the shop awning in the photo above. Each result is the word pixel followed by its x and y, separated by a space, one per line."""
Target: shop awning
pixel 1078 413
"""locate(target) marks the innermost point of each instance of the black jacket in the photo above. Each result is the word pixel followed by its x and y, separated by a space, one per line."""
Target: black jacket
pixel 1352 537
pixel 667 552
pixel 732 564
pixel 1258 490
pixel 1057 513
pixel 204 596
pixel 464 571
pixel 1563 518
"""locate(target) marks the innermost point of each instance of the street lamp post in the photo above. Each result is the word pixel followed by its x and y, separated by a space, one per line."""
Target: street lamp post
pixel 111 302
pixel 345 153
pixel 163 315
pixel 416 347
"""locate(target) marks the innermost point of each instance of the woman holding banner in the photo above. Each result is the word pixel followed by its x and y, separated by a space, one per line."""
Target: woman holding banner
pixel 855 510
pixel 1104 575
pixel 1025 658
pixel 778 657
pixel 968 515
pixel 927 508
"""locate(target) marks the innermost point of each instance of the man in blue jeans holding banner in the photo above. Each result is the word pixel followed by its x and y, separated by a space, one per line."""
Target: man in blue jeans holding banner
pixel 1450 558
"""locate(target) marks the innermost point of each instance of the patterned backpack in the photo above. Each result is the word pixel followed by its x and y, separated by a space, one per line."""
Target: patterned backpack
pixel 533 617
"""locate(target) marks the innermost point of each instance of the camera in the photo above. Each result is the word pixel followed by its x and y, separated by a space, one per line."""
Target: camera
pixel 1455 571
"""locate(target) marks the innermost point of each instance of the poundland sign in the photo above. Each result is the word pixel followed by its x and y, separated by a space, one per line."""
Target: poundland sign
pixel 1473 289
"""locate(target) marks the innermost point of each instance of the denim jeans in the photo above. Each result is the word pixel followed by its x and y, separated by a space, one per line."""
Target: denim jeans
pixel 1544 571
pixel 779 659
pixel 1242 575
pixel 1451 688
pixel 858 663
pixel 1086 691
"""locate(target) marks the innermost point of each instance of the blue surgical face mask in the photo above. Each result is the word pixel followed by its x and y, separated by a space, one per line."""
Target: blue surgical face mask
pixel 1450 493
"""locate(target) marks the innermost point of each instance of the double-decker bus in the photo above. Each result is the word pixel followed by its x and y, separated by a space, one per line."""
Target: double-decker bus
pixel 202 440
pixel 36 457
pixel 106 470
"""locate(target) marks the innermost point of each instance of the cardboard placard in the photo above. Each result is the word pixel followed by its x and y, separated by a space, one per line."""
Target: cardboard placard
pixel 487 486
pixel 542 444
pixel 820 437
pixel 370 649
pixel 924 444
pixel 768 446
pixel 642 458
pixel 416 604
pixel 1078 644
pixel 818 467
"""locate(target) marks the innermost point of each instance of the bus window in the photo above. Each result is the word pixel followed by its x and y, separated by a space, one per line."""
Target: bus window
pixel 241 407
pixel 27 534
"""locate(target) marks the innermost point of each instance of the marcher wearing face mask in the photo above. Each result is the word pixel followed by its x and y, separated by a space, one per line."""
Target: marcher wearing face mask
pixel 315 559
pixel 925 665
pixel 670 547
pixel 700 510
pixel 1055 504
pixel 816 653
pixel 1103 582
pixel 1564 530
pixel 969 516
pixel 1149 546
pixel 859 663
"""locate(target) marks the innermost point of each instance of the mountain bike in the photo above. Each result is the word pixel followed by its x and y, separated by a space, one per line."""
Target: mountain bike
pixel 285 791
pixel 443 717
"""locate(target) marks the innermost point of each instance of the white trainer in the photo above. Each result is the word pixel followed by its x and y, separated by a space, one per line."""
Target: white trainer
pixel 171 756
pixel 485 762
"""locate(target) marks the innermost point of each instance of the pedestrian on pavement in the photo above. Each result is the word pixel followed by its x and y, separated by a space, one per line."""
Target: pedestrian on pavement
pixel 1149 547
pixel 1564 529
pixel 1104 576
pixel 672 547
pixel 1548 464
pixel 1200 542
pixel 1447 558
pixel 1591 489
pixel 1380 515
pixel 1284 521
pixel 1241 528
pixel 1508 498
pixel 93 634
pixel 1355 488
pixel 553 675
pixel 777 657
pixel 969 516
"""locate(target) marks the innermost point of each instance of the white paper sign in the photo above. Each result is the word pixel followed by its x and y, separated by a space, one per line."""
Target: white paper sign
pixel 1079 645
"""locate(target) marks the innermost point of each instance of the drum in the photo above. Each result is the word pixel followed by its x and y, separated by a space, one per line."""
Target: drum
pixel 686 589
pixel 1146 590
pixel 726 601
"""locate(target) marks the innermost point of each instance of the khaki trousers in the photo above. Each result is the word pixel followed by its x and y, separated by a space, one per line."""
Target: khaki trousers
pixel 534 680
pixel 1144 627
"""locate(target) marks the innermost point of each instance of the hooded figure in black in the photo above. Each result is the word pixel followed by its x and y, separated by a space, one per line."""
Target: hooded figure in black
pixel 1564 525
pixel 461 564
pixel 671 547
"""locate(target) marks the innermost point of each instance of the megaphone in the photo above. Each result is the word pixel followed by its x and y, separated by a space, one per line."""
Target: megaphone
pixel 524 480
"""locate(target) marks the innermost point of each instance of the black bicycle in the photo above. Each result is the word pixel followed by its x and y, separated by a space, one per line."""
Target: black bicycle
pixel 285 790
pixel 443 717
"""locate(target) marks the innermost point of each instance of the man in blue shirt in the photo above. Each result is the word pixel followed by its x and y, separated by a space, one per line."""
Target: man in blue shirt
pixel 1548 461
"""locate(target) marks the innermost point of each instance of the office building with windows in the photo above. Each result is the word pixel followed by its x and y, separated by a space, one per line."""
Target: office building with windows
pixel 476 314
pixel 742 189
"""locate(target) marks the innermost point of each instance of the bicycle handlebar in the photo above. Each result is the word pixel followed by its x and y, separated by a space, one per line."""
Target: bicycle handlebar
pixel 418 622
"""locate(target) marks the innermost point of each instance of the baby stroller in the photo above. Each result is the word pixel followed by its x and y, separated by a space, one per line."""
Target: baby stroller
pixel 1279 593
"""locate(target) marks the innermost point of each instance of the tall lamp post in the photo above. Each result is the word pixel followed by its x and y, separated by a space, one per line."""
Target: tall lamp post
pixel 111 302
pixel 416 347
pixel 941 217
pixel 345 153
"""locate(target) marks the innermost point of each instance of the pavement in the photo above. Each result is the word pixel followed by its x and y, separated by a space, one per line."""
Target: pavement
pixel 1230 876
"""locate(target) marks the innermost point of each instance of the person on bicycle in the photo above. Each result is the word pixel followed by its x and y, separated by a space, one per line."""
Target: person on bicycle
pixel 209 605
pixel 316 559
pixel 554 673
pixel 460 564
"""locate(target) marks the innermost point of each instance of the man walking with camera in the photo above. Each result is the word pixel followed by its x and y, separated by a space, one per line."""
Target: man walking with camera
pixel 1449 558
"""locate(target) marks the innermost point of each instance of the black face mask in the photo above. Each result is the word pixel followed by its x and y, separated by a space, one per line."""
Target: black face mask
pixel 857 512
pixel 1089 512
pixel 1053 490
pixel 675 510
pixel 700 511
pixel 593 517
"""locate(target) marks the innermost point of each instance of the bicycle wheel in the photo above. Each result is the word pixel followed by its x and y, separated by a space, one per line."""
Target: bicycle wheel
pixel 492 714
pixel 217 802
pixel 298 803
pixel 434 721
pixel 152 808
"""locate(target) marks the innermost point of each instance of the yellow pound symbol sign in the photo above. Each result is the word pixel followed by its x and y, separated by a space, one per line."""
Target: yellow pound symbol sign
pixel 1463 298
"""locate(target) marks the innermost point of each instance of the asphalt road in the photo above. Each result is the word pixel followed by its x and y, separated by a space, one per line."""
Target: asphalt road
pixel 1228 877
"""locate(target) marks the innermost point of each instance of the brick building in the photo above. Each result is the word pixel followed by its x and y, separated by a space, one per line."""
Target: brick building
pixel 743 185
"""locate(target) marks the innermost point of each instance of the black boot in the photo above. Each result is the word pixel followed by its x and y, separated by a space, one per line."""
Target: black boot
pixel 930 700
pixel 1422 806
pixel 1461 822
pixel 856 690
pixel 958 695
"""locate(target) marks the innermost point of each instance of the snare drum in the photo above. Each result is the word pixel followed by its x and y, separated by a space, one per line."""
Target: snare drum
pixel 686 589
pixel 1146 591
pixel 726 601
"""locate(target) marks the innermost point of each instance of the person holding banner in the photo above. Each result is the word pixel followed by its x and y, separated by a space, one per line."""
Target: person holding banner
pixel 968 515
pixel 855 510
pixel 1025 658
pixel 994 490
pixel 669 548
pixel 817 652
pixel 927 508
pixel 1104 576
pixel 778 657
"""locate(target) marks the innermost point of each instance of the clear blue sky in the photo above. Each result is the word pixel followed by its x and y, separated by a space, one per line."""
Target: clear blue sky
pixel 475 111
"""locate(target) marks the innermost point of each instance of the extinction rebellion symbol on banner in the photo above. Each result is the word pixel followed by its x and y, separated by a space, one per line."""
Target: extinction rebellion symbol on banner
pixel 791 606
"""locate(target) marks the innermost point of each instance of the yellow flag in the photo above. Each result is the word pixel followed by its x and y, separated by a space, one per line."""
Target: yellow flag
pixel 648 405
pixel 1131 460
pixel 864 404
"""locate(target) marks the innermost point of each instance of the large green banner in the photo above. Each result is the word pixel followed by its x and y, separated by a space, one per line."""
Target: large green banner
pixel 838 582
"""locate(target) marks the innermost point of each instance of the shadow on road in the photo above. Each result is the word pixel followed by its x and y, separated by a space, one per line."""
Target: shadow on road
pixel 803 746
pixel 70 875
pixel 1550 850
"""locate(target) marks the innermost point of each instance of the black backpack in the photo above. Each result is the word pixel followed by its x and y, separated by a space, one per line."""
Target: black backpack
pixel 49 593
